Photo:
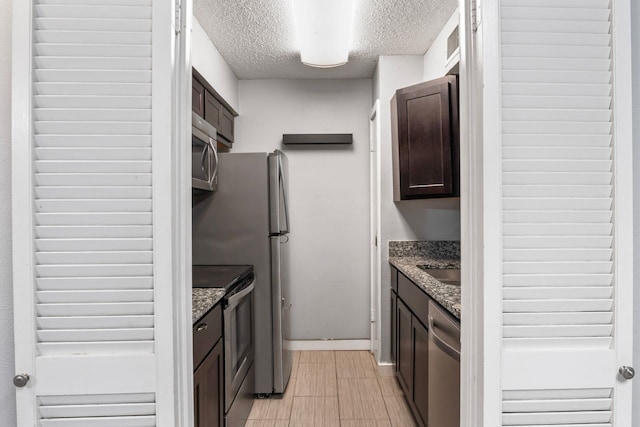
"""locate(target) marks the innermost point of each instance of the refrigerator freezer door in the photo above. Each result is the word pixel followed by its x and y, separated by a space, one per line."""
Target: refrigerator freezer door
pixel 282 354
pixel 278 185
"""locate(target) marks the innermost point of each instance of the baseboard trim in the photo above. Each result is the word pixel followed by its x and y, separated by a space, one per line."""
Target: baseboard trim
pixel 386 369
pixel 330 345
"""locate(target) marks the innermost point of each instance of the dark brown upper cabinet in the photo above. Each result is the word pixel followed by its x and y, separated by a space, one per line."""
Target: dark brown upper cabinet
pixel 212 110
pixel 208 103
pixel 426 143
pixel 225 129
pixel 197 97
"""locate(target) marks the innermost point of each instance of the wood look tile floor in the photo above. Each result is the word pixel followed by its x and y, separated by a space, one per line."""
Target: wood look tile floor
pixel 334 388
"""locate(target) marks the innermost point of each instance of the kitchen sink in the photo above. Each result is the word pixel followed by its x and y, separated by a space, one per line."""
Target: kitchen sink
pixel 449 276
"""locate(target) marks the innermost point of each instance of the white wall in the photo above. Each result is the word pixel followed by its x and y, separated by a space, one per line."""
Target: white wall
pixel 208 61
pixel 435 59
pixel 635 31
pixel 435 219
pixel 329 196
pixel 7 391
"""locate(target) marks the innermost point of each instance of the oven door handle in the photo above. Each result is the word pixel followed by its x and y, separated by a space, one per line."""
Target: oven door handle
pixel 235 299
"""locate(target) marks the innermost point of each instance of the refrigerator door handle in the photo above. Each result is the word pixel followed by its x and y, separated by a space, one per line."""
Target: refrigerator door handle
pixel 284 195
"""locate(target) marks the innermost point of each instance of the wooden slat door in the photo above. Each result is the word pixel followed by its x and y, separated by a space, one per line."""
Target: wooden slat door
pixel 91 230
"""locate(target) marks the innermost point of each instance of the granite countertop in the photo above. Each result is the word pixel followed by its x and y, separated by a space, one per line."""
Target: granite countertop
pixel 203 300
pixel 406 256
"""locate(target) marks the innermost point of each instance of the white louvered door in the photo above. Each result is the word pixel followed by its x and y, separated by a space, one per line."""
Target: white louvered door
pixel 565 212
pixel 91 212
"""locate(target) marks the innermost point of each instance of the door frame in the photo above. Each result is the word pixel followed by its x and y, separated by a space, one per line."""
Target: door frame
pixel 623 203
pixel 480 324
pixel 374 231
pixel 470 219
pixel 181 213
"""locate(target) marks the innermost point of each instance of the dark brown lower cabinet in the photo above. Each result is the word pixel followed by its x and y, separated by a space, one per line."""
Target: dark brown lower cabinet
pixel 208 390
pixel 414 348
pixel 394 330
pixel 420 353
pixel 405 340
pixel 413 356
pixel 208 378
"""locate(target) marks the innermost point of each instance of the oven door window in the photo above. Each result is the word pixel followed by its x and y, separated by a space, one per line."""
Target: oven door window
pixel 241 335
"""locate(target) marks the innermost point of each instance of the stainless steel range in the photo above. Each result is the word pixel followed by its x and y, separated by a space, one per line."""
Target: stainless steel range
pixel 238 318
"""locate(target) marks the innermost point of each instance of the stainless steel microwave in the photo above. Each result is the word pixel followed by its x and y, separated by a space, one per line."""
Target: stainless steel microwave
pixel 204 155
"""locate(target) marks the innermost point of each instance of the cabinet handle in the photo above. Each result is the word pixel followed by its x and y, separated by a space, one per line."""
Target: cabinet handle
pixel 202 327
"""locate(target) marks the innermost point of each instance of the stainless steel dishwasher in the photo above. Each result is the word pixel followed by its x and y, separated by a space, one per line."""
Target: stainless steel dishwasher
pixel 444 368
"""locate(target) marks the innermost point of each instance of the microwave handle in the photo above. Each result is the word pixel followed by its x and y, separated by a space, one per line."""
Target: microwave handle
pixel 203 161
pixel 212 177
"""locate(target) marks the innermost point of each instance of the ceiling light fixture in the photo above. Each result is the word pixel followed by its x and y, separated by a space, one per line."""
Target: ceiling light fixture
pixel 324 30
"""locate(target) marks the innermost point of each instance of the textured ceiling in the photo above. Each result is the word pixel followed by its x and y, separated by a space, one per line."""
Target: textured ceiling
pixel 257 37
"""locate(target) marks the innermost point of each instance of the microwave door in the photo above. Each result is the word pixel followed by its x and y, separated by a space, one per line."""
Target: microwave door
pixel 203 153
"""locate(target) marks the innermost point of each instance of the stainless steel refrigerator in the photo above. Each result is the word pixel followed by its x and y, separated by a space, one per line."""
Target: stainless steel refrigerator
pixel 246 221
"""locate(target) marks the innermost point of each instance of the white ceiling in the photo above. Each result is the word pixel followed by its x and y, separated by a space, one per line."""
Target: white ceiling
pixel 257 37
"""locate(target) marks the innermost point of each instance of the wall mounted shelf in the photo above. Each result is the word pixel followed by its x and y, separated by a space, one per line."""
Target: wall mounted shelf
pixel 317 138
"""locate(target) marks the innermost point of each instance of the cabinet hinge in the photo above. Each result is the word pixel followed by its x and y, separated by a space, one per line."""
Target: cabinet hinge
pixel 178 16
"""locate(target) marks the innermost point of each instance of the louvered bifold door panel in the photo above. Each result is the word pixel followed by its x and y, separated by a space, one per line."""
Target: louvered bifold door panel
pixel 122 410
pixel 92 165
pixel 558 408
pixel 557 208
pixel 93 205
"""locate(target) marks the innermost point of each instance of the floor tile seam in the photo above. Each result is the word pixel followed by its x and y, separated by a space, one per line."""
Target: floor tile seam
pixel 359 394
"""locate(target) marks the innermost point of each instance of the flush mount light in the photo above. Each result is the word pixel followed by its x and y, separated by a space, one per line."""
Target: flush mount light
pixel 324 31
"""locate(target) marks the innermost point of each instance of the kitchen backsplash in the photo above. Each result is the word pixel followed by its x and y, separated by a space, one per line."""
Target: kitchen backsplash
pixel 444 249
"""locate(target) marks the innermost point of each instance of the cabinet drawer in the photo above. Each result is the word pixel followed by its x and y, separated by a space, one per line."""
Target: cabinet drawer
pixel 414 297
pixel 205 334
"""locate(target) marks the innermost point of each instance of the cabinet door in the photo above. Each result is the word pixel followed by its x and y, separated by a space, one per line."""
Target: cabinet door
pixel 226 124
pixel 212 109
pixel 405 351
pixel 394 330
pixel 208 394
pixel 427 156
pixel 197 97
pixel 420 370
